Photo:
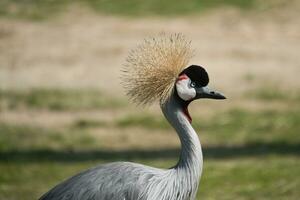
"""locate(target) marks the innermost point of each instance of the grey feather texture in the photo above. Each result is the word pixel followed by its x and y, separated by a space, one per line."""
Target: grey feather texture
pixel 131 181
pixel 120 180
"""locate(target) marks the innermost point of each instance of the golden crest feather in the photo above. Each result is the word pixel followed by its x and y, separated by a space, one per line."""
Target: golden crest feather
pixel 152 68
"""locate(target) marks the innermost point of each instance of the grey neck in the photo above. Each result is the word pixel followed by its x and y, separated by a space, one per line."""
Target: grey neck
pixel 191 161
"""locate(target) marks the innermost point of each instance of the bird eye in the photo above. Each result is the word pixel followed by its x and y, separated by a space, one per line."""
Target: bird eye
pixel 193 84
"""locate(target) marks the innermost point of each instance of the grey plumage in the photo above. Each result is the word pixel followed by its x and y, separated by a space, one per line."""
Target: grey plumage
pixel 120 180
pixel 130 181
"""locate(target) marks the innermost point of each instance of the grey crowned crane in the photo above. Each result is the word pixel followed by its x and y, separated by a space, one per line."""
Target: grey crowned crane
pixel 155 71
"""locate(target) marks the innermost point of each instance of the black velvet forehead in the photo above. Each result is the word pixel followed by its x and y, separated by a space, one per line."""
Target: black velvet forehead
pixel 197 74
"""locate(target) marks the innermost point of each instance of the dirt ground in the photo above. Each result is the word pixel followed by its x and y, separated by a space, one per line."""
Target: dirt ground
pixel 83 50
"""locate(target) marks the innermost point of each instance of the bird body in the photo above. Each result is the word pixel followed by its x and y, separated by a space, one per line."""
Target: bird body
pixel 132 181
pixel 175 90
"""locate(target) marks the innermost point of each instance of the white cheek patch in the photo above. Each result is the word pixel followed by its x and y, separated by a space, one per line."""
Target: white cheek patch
pixel 184 90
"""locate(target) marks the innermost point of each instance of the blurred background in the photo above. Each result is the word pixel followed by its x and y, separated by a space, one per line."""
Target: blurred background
pixel 63 109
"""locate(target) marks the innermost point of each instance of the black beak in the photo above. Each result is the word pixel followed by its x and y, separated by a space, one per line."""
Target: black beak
pixel 206 92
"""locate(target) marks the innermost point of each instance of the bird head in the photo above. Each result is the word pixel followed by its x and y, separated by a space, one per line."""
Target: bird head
pixel 192 83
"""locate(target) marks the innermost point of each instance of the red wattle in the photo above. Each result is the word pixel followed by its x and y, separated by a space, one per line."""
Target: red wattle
pixel 187 114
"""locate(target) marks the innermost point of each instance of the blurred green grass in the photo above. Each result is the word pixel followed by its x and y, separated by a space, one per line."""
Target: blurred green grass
pixel 57 99
pixel 233 127
pixel 24 137
pixel 40 9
